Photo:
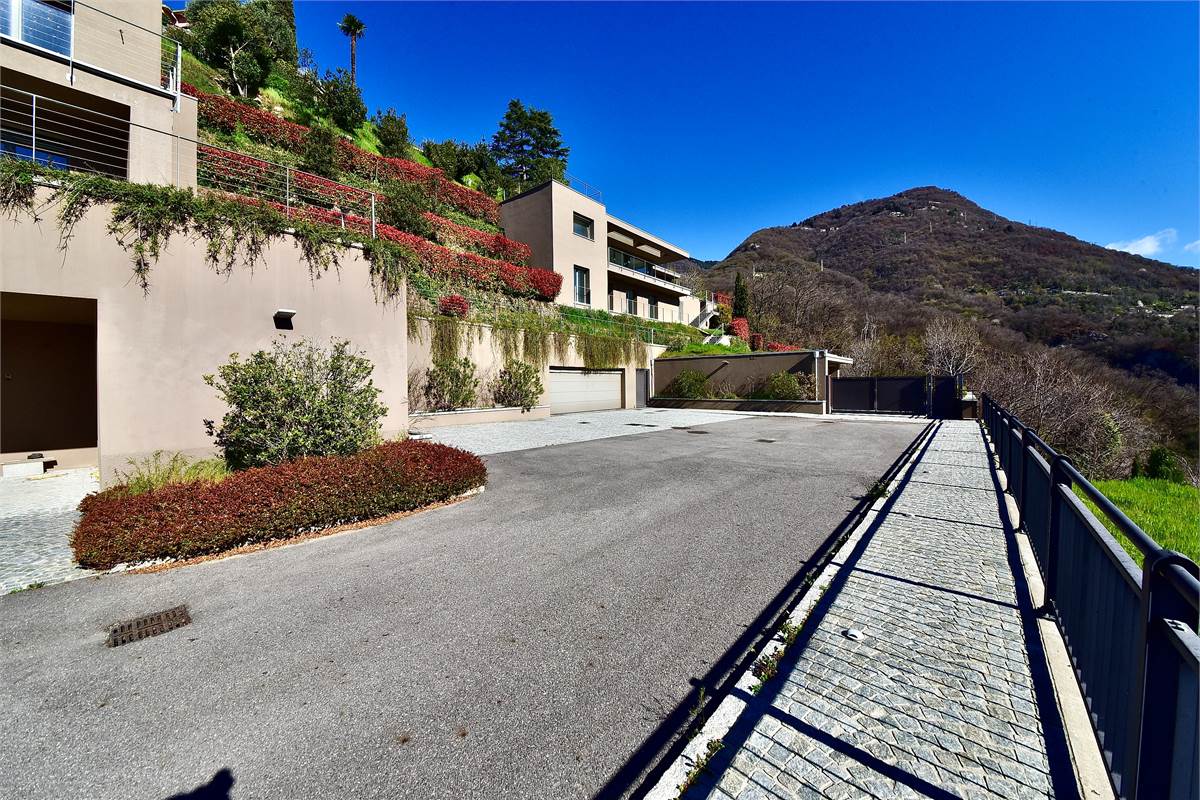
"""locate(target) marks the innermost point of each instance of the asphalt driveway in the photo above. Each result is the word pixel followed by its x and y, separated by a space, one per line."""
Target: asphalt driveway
pixel 523 643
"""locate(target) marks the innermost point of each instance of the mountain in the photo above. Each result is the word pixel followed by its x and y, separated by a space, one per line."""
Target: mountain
pixel 930 248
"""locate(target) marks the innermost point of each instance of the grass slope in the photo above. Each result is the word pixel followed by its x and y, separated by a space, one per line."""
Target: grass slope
pixel 1168 512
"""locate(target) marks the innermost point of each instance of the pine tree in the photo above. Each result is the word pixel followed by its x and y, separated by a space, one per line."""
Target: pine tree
pixel 741 297
pixel 527 146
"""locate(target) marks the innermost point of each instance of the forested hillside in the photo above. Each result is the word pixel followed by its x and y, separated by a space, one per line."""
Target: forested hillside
pixel 1111 335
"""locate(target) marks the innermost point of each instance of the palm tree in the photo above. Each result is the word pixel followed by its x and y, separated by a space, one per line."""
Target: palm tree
pixel 353 27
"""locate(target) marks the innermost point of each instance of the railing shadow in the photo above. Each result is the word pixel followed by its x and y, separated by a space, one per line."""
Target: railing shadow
pixel 646 764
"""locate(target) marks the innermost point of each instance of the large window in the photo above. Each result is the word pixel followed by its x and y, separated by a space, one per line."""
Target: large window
pixel 583 287
pixel 631 303
pixel 583 226
pixel 653 308
pixel 38 22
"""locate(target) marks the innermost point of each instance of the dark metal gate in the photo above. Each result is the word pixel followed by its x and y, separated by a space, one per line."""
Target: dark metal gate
pixel 908 394
pixel 642 379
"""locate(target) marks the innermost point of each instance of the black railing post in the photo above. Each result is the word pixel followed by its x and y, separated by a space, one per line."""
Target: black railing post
pixel 1059 476
pixel 1024 482
pixel 1153 701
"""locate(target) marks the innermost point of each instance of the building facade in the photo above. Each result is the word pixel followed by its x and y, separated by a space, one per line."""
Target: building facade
pixel 606 263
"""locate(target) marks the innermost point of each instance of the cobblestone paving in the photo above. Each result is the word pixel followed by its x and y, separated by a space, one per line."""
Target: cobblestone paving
pixel 937 699
pixel 36 518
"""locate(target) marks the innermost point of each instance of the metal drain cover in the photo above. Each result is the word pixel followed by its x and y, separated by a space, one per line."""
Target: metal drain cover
pixel 696 430
pixel 135 630
pixel 766 441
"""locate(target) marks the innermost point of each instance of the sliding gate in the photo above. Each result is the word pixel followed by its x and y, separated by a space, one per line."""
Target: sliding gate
pixel 923 395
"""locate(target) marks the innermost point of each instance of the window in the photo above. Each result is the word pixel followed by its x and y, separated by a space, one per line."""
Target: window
pixel 584 227
pixel 653 308
pixel 45 23
pixel 583 288
pixel 631 303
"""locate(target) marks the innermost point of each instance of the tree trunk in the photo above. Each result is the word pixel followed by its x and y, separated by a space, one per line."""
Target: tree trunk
pixel 354 60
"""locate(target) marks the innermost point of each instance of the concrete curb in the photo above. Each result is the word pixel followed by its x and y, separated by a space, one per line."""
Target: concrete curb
pixel 730 708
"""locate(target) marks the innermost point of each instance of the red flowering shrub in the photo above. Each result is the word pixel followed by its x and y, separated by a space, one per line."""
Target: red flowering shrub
pixel 756 341
pixel 454 305
pixel 723 298
pixel 225 115
pixel 740 327
pixel 546 283
pixel 257 505
pixel 780 347
pixel 495 245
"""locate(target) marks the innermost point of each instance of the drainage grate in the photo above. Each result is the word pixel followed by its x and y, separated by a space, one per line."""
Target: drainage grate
pixel 584 422
pixel 765 441
pixel 696 430
pixel 640 425
pixel 150 625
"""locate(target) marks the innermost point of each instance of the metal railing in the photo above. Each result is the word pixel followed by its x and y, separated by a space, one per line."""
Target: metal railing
pixel 66 136
pixel 91 38
pixel 1131 632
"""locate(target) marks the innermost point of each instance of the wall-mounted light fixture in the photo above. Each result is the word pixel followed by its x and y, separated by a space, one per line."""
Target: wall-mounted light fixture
pixel 283 318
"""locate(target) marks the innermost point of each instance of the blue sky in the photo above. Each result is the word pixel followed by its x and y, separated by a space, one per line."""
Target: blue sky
pixel 705 122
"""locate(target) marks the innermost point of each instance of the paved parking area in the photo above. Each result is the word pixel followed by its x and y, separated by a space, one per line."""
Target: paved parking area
pixel 505 437
pixel 37 516
pixel 529 642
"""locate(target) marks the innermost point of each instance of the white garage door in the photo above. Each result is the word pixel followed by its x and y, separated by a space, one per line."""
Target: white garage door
pixel 576 390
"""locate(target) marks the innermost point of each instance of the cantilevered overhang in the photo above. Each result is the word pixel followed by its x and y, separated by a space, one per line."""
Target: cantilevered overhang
pixel 646 245
pixel 649 280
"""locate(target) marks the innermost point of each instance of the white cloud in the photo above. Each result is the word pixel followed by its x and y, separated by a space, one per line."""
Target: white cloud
pixel 1192 247
pixel 1147 245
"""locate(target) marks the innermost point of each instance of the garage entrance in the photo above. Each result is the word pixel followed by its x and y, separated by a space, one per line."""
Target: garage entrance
pixel 48 369
pixel 582 390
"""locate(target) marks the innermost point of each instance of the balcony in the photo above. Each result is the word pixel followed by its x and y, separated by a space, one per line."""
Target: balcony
pixel 632 266
pixel 92 40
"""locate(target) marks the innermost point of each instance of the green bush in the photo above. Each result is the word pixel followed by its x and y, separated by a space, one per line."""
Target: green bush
pixel 784 386
pixel 1162 464
pixel 690 384
pixel 518 384
pixel 392 131
pixel 295 400
pixel 341 100
pixel 319 154
pixel 404 206
pixel 153 472
pixel 451 383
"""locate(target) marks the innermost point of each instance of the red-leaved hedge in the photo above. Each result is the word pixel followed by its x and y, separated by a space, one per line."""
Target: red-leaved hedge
pixel 265 503
pixel 440 262
pixel 756 341
pixel 740 327
pixel 225 115
pixel 780 347
pixel 454 305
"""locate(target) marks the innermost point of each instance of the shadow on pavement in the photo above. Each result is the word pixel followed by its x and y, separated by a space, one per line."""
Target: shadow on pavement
pixel 645 765
pixel 216 789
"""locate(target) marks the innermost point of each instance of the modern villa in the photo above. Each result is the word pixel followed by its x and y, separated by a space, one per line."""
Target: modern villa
pixel 606 263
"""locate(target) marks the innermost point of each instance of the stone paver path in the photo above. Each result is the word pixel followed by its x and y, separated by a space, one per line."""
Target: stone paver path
pixel 36 518
pixel 939 697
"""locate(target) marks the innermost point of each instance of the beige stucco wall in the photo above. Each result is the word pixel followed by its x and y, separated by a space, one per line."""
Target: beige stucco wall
pixel 485 354
pixel 121 36
pixel 153 349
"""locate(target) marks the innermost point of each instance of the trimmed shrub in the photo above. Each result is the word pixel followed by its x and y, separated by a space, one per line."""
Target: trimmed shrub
pixel 1164 465
pixel 740 327
pixel 518 385
pixel 454 305
pixel 690 384
pixel 783 386
pixel 266 503
pixel 756 341
pixel 451 383
pixel 295 400
pixel 319 151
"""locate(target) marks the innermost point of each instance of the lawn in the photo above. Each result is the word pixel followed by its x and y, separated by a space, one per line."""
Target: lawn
pixel 1168 512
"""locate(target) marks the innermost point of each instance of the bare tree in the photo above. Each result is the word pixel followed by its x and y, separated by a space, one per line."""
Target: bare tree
pixel 952 345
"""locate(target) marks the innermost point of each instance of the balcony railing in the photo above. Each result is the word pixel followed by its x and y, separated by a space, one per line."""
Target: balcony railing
pixel 89 38
pixel 66 136
pixel 1131 632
